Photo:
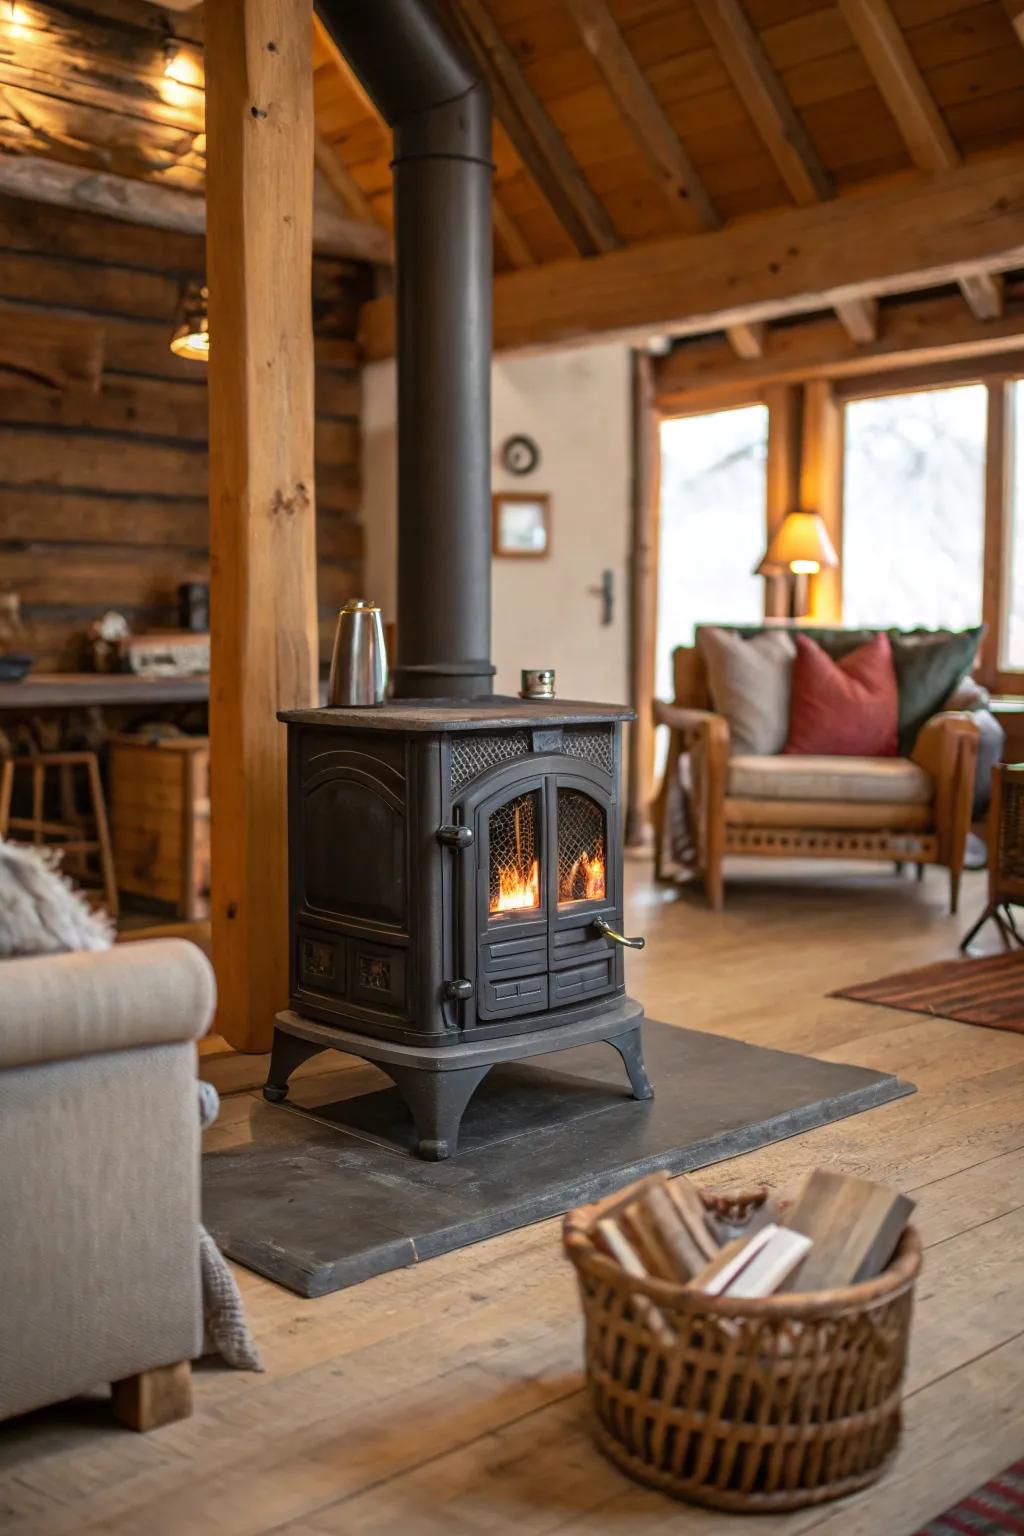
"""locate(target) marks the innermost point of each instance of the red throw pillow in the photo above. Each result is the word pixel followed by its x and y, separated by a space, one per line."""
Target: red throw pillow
pixel 847 708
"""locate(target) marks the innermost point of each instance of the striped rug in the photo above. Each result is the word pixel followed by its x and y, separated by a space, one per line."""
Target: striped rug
pixel 987 991
pixel 997 1509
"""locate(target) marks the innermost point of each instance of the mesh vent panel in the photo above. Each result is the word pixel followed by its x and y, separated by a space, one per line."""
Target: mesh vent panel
pixel 1011 829
pixel 473 754
pixel 591 743
pixel 581 851
pixel 514 838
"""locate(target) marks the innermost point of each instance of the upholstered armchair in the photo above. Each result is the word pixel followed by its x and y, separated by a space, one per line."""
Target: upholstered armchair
pixel 914 809
pixel 99 1195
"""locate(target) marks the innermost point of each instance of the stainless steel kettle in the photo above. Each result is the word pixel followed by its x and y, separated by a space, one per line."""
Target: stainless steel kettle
pixel 359 662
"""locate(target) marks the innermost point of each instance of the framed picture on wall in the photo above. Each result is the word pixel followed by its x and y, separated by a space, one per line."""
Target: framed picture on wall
pixel 521 524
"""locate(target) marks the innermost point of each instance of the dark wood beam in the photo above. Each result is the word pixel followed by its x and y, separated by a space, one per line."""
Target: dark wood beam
pixel 649 123
pixel 50 351
pixel 760 90
pixel 911 235
pixel 262 512
pixel 911 334
pixel 144 202
pixel 536 139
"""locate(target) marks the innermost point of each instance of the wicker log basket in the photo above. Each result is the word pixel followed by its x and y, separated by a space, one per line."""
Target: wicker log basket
pixel 743 1405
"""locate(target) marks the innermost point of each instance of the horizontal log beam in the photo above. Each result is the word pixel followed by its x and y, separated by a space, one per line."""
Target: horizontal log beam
pixel 143 202
pixel 910 334
pixel 911 235
pixel 62 352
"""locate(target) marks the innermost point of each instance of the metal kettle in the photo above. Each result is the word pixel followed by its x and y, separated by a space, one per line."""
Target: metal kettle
pixel 359 662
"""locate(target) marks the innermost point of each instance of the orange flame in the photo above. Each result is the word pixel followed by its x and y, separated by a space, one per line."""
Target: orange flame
pixel 518 889
pixel 588 873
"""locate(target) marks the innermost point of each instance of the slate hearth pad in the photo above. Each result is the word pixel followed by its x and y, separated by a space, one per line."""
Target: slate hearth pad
pixel 323 1198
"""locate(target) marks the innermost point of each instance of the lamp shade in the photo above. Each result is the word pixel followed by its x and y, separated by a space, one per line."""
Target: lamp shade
pixel 191 337
pixel 800 543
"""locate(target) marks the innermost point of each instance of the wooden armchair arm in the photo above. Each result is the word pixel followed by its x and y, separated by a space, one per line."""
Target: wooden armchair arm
pixel 705 736
pixel 681 718
pixel 947 748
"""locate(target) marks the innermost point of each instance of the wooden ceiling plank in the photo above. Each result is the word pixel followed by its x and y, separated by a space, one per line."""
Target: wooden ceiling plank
pixel 342 182
pixel 784 136
pixel 936 329
pixel 513 241
pixel 906 235
pixel 144 202
pixel 537 142
pixel 859 319
pixel 747 341
pixel 324 43
pixel 985 293
pixel 647 120
pixel 880 39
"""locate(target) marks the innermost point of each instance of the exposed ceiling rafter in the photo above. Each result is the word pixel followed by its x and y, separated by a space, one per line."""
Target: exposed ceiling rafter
pixel 639 106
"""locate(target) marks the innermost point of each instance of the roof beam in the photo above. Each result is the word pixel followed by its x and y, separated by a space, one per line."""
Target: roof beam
pixel 341 181
pixel 145 202
pixel 536 139
pixel 918 332
pixel 880 39
pixel 511 236
pixel 920 234
pixel 747 340
pixel 651 128
pixel 985 294
pixel 859 319
pixel 761 92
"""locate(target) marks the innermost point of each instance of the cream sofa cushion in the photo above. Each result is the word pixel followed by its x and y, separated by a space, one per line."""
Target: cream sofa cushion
pixel 749 682
pixel 797 777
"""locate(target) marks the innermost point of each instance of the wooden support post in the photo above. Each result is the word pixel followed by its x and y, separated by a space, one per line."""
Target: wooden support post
pixel 259 121
pixel 998 500
pixel 643 597
pixel 782 480
pixel 821 488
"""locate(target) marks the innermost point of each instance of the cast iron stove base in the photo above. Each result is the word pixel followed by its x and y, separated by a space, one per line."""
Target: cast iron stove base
pixel 437 1084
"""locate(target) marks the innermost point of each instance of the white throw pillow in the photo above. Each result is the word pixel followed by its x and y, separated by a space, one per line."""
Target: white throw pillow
pixel 749 682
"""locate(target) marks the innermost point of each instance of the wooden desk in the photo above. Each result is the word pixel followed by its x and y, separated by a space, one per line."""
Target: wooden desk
pixel 80 690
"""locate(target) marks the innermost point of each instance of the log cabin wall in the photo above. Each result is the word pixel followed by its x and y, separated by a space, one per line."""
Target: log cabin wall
pixel 103 497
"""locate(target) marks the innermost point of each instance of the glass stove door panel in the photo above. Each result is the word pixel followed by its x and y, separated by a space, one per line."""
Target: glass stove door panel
pixel 515 858
pixel 582 844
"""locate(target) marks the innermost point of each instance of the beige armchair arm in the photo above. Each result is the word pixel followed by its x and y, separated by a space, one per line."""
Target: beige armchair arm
pixel 54 1007
pixel 947 748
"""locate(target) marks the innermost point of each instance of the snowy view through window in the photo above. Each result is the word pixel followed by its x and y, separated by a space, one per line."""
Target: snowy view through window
pixel 914 509
pixel 1013 641
pixel 712 526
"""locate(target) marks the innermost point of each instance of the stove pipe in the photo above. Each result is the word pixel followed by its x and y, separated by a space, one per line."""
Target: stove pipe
pixel 440 112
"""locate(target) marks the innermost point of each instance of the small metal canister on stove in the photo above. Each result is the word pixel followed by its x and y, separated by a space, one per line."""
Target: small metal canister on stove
pixel 537 683
pixel 359 662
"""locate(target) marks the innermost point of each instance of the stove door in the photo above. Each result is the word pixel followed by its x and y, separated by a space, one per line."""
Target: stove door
pixel 585 884
pixel 511 901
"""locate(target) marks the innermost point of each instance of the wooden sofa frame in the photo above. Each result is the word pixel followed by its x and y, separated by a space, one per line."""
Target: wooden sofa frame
pixel 946 747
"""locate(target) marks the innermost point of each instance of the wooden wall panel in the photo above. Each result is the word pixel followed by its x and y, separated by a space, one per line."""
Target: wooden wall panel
pixel 103 497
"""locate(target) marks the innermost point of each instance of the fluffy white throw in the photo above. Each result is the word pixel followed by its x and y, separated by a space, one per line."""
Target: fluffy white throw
pixel 40 911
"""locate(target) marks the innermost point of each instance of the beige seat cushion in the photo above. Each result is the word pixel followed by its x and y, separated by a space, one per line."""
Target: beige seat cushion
pixel 894 780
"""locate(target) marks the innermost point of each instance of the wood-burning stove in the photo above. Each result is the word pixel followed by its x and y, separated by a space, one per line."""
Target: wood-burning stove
pixel 456 894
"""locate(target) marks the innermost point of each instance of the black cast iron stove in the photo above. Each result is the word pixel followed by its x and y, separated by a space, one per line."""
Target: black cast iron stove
pixel 455 858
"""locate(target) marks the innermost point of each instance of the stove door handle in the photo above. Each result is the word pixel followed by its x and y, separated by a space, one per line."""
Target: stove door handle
pixel 617 938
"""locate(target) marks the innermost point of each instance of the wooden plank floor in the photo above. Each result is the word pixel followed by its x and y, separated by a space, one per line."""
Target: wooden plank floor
pixel 444 1400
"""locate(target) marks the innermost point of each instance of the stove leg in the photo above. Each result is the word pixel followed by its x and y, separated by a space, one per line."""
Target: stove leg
pixel 437 1102
pixel 631 1048
pixel 287 1053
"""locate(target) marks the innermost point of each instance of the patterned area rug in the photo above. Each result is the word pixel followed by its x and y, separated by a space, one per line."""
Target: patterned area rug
pixel 997 1509
pixel 988 991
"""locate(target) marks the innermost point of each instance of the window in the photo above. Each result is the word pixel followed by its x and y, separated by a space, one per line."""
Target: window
pixel 712 526
pixel 1012 649
pixel 914 509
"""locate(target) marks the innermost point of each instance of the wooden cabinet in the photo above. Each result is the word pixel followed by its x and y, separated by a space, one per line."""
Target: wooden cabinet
pixel 160 821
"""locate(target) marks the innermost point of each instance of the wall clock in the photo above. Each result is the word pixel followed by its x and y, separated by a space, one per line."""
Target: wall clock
pixel 520 455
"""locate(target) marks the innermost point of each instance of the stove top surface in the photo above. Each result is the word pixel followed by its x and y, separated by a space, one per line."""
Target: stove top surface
pixel 432 715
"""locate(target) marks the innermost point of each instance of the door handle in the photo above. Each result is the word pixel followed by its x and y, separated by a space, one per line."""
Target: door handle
pixel 617 938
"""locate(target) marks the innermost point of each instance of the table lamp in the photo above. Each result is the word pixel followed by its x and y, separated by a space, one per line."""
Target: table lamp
pixel 801 546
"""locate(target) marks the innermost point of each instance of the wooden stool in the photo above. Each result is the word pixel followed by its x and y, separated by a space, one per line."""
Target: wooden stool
pixel 66 834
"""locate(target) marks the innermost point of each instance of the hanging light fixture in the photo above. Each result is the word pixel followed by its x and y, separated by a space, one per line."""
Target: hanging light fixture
pixel 191 337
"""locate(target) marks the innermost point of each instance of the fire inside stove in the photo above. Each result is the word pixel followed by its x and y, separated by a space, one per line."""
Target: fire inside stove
pixel 515 854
